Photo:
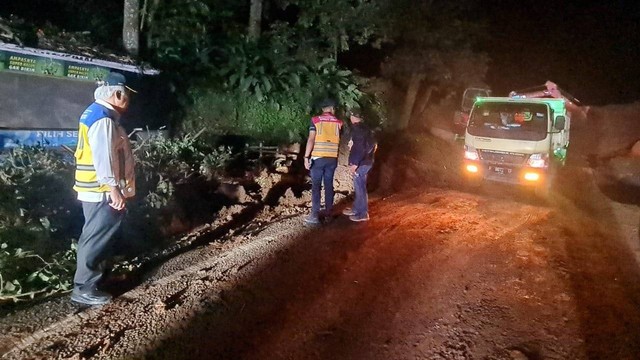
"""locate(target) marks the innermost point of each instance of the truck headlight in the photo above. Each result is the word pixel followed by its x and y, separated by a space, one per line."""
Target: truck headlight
pixel 538 160
pixel 472 168
pixel 471 153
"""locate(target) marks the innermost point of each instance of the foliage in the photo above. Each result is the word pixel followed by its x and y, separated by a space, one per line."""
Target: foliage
pixel 280 120
pixel 38 215
pixel 327 79
pixel 36 201
pixel 163 163
pixel 25 274
pixel 255 69
pixel 252 68
pixel 65 17
pixel 324 28
pixel 266 95
pixel 375 111
pixel 178 34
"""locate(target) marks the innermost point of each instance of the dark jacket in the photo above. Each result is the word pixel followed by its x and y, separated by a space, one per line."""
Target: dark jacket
pixel 362 150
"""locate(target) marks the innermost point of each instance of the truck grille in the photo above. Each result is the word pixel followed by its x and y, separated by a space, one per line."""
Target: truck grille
pixel 502 157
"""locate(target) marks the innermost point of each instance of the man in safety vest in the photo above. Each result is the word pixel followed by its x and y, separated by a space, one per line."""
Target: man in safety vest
pixel 321 158
pixel 104 178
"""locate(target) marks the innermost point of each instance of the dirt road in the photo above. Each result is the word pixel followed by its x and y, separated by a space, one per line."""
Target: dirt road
pixel 435 274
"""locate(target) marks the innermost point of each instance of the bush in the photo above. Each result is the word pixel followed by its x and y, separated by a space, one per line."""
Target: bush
pixel 281 120
pixel 25 274
pixel 161 166
pixel 39 217
pixel 37 204
pixel 264 94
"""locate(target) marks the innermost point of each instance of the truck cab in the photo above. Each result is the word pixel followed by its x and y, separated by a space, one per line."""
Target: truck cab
pixel 461 117
pixel 516 140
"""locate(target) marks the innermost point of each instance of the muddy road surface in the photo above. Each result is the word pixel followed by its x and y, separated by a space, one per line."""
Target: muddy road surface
pixel 435 274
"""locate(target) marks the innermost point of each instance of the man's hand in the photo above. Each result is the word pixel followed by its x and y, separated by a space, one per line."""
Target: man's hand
pixel 353 169
pixel 117 200
pixel 307 163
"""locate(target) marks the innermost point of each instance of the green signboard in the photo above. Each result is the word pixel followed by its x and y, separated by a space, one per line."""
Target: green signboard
pixel 41 65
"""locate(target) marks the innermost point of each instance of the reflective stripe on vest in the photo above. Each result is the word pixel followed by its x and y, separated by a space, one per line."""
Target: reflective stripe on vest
pixel 327 139
pixel 86 178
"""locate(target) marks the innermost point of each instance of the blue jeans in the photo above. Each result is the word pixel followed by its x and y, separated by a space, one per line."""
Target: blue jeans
pixel 322 170
pixel 360 204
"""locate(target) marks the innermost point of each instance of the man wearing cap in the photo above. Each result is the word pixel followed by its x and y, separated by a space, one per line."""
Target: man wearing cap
pixel 362 147
pixel 104 178
pixel 321 158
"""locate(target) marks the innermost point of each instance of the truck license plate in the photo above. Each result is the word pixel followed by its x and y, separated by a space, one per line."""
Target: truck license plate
pixel 501 170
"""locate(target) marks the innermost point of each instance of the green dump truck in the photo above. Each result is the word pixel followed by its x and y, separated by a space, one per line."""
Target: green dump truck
pixel 516 140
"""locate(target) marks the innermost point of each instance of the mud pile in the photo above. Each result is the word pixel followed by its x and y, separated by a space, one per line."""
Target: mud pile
pixel 607 143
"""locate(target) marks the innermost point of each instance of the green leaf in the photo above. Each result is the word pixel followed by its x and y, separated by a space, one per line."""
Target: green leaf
pixel 295 79
pixel 233 79
pixel 326 62
pixel 45 223
pixel 267 84
pixel 245 83
pixel 32 276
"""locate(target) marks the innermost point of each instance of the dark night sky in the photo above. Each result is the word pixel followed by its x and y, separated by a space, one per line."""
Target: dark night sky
pixel 591 49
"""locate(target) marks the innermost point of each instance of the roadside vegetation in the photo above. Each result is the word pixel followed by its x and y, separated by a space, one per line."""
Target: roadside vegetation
pixel 250 70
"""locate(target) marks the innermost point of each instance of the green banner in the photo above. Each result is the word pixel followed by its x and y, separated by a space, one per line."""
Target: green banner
pixel 41 65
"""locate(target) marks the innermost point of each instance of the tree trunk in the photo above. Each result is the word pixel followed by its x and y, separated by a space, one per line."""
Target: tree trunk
pixel 131 27
pixel 421 106
pixel 409 100
pixel 255 20
pixel 150 22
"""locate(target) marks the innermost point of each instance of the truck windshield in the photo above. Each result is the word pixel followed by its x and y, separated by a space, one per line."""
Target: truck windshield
pixel 515 121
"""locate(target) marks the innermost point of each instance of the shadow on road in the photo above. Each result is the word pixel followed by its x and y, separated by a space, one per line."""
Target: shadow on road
pixel 294 285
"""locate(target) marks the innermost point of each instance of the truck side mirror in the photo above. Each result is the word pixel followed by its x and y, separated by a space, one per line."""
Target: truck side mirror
pixel 559 124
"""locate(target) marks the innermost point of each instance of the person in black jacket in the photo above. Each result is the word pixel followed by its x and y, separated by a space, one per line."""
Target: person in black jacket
pixel 362 145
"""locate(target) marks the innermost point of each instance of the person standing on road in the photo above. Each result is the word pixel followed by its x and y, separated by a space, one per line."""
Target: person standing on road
pixel 321 158
pixel 104 178
pixel 362 146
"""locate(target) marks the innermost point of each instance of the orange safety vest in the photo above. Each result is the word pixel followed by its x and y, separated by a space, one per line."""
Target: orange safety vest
pixel 327 128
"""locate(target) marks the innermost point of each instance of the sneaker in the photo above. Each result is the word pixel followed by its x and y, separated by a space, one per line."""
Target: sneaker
pixel 359 218
pixel 312 220
pixel 90 297
pixel 348 212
